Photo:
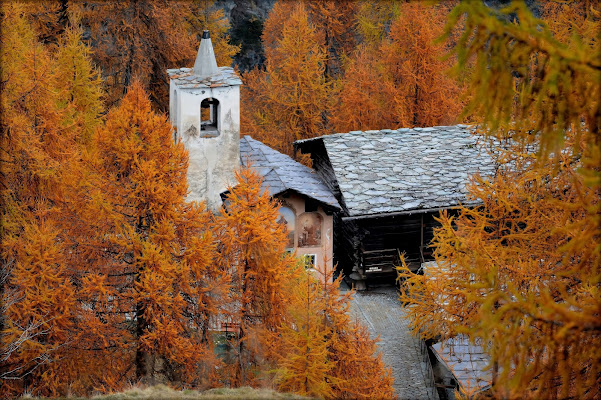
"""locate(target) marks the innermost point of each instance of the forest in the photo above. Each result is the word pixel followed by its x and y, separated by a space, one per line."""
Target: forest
pixel 109 278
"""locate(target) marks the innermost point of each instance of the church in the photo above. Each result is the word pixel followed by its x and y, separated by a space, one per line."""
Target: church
pixel 371 196
pixel 204 108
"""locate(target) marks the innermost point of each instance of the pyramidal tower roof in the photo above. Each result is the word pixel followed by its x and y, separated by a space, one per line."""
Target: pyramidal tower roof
pixel 205 73
pixel 205 64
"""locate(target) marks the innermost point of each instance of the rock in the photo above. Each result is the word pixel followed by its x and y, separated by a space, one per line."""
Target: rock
pixel 246 27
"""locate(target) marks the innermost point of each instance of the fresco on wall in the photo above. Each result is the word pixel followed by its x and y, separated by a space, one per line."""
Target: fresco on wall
pixel 287 218
pixel 310 230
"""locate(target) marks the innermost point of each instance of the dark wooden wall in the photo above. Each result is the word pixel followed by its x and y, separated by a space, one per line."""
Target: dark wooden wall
pixel 375 242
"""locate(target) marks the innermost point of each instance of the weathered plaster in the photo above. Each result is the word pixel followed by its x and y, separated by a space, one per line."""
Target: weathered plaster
pixel 212 159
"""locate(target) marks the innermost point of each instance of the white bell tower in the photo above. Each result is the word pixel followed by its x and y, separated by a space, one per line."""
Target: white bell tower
pixel 204 108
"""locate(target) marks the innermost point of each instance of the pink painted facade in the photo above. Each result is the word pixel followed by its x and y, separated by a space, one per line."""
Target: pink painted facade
pixel 310 230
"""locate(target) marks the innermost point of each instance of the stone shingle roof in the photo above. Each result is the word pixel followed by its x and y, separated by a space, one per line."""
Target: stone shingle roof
pixel 281 173
pixel 406 169
pixel 185 78
pixel 467 361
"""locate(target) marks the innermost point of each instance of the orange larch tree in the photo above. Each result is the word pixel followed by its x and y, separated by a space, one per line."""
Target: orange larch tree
pixel 374 19
pixel 40 145
pixel 334 20
pixel 50 19
pixel 137 39
pixel 150 277
pixel 291 322
pixel 289 100
pixel 300 345
pixel 203 15
pixel 400 81
pixel 320 351
pixel 253 248
pixel 80 84
pixel 425 95
pixel 364 97
pixel 358 370
pixel 273 28
pixel 520 274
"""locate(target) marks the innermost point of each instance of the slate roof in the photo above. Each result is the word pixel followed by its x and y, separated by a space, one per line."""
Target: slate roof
pixel 467 361
pixel 406 169
pixel 185 78
pixel 281 173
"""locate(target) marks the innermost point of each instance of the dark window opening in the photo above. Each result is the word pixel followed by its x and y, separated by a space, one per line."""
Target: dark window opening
pixel 209 115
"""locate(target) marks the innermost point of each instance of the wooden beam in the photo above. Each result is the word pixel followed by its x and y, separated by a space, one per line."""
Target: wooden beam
pixel 421 238
pixel 397 213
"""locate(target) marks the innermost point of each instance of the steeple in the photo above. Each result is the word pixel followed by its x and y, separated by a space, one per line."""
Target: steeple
pixel 205 65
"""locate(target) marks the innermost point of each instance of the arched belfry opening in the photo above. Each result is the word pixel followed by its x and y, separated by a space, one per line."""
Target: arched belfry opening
pixel 209 117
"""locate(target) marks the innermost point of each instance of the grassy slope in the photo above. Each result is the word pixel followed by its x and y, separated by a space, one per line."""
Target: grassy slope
pixel 161 392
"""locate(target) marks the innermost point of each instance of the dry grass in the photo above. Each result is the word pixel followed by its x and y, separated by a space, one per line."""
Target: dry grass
pixel 161 392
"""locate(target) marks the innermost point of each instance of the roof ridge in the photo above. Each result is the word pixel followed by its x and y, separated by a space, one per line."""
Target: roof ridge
pixel 389 130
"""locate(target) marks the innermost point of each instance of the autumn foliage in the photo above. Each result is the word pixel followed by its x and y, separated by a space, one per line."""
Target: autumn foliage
pixel 320 351
pixel 108 275
pixel 152 251
pixel 340 66
pixel 400 81
pixel 252 249
pixel 40 137
pixel 291 96
pixel 135 40
pixel 290 320
pixel 520 273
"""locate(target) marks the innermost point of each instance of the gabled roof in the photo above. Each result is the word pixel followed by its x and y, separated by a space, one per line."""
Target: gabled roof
pixel 281 173
pixel 390 171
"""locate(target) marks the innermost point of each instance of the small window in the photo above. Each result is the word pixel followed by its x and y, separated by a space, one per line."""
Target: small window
pixel 309 234
pixel 309 260
pixel 209 116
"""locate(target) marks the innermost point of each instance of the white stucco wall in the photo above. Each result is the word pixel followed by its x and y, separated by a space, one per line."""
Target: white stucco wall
pixel 212 160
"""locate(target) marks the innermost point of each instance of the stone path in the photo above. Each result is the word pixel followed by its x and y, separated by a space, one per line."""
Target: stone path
pixel 380 310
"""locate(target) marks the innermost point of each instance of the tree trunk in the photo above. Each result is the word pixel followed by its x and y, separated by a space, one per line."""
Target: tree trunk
pixel 141 362
pixel 415 105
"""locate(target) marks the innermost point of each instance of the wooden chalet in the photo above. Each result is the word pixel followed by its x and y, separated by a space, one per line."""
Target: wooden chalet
pixel 391 184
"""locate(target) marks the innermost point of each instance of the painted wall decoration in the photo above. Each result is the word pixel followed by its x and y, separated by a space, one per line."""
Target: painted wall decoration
pixel 309 230
pixel 288 218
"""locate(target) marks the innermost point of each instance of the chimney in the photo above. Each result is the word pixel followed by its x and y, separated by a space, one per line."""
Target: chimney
pixel 205 65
